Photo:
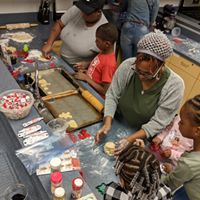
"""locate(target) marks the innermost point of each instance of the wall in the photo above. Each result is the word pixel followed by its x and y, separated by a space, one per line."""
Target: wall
pixel 22 6
pixel 19 6
pixel 174 2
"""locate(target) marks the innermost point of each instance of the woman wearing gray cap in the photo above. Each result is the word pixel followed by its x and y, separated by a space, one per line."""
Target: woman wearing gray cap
pixel 77 28
pixel 145 92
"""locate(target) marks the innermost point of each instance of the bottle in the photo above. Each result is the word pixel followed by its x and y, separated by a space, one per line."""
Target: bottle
pixel 56 181
pixel 59 194
pixel 26 48
pixel 55 164
pixel 77 185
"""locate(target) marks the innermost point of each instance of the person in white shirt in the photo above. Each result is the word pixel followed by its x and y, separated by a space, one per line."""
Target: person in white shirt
pixel 77 28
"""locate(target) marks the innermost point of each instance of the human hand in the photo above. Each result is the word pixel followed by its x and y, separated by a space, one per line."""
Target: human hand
pixel 103 131
pixel 156 141
pixel 139 142
pixel 166 153
pixel 167 167
pixel 81 65
pixel 120 146
pixel 81 76
pixel 46 49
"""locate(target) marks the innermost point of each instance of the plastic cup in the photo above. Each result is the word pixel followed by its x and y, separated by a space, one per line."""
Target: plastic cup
pixel 58 126
pixel 16 192
pixel 176 32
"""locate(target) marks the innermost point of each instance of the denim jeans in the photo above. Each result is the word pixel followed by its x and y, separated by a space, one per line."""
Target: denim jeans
pixel 180 194
pixel 131 33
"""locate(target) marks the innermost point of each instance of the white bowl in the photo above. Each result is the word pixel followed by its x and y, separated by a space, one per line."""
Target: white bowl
pixel 16 113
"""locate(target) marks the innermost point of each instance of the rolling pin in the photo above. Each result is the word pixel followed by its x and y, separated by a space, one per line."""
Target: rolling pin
pixel 18 25
pixel 60 95
pixel 91 99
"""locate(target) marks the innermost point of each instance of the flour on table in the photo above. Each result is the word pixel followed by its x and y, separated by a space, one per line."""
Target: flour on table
pixel 37 55
pixel 21 37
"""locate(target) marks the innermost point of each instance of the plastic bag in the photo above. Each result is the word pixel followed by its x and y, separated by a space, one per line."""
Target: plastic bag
pixel 42 152
pixel 94 162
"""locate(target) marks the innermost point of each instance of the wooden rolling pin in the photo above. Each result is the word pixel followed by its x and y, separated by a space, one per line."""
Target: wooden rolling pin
pixel 18 25
pixel 91 99
pixel 59 95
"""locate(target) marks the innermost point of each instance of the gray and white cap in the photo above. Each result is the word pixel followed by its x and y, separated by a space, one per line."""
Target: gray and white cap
pixel 155 44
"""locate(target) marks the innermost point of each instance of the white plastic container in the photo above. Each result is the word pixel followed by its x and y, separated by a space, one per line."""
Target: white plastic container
pixel 55 164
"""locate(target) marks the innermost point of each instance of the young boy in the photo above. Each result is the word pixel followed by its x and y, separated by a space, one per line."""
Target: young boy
pixel 187 171
pixel 100 71
pixel 139 175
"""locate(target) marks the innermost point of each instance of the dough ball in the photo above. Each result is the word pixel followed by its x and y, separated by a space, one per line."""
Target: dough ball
pixel 109 148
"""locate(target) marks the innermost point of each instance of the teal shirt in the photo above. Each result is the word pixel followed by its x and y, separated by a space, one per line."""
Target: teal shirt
pixel 136 105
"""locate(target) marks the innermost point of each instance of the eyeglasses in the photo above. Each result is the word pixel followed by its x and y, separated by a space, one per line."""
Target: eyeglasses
pixel 147 75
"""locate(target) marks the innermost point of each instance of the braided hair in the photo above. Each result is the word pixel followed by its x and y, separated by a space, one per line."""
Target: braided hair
pixel 194 104
pixel 140 171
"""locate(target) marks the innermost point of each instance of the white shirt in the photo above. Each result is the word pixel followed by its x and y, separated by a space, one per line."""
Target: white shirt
pixel 78 39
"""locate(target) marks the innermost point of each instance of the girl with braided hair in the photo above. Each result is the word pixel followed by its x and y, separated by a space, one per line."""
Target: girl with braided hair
pixel 139 174
pixel 187 171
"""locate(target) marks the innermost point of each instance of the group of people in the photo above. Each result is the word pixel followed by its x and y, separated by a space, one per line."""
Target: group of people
pixel 142 90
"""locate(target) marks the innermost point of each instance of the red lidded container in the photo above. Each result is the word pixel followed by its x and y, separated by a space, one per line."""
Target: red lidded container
pixel 56 180
pixel 77 185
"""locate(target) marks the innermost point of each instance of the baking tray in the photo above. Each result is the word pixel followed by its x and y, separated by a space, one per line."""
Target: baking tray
pixel 81 111
pixel 56 80
pixel 53 81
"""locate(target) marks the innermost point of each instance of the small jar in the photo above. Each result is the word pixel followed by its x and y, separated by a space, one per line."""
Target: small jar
pixel 59 194
pixel 56 181
pixel 77 185
pixel 55 164
pixel 26 48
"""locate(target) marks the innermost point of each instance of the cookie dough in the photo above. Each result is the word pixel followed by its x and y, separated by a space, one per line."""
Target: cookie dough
pixel 21 37
pixel 36 54
pixel 42 82
pixel 72 124
pixel 65 115
pixel 109 148
pixel 10 49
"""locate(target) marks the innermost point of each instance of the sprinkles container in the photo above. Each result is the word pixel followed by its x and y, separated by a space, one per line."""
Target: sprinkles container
pixel 16 104
pixel 77 185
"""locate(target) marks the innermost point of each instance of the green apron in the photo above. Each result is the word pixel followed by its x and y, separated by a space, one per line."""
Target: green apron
pixel 136 105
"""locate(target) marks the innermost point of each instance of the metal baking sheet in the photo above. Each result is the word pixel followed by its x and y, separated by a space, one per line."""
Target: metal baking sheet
pixel 81 111
pixel 54 81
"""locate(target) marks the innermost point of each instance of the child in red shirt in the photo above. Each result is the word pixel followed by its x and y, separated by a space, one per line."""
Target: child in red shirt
pixel 100 71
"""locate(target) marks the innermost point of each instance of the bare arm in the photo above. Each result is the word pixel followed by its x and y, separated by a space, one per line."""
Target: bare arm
pixel 100 88
pixel 137 135
pixel 55 31
pixel 105 128
pixel 82 65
